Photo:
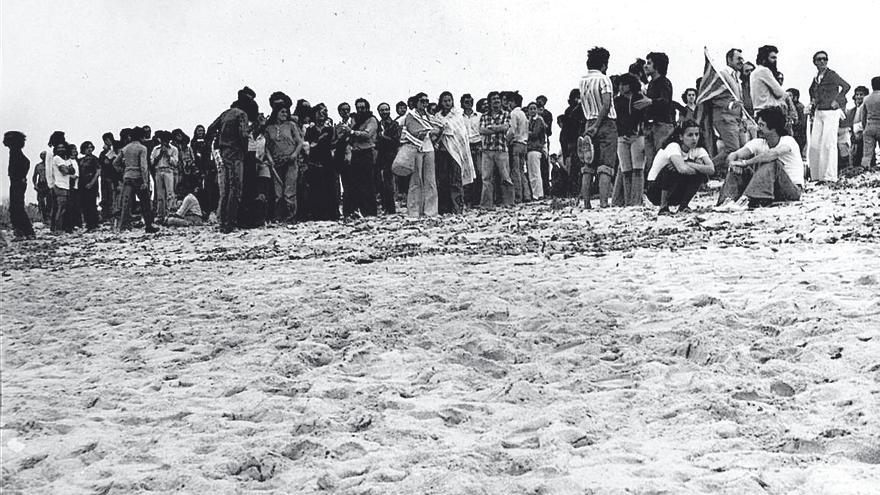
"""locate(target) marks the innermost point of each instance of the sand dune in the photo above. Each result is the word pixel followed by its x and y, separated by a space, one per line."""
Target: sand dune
pixel 539 350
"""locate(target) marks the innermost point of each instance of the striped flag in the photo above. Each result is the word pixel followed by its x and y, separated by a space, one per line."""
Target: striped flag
pixel 713 84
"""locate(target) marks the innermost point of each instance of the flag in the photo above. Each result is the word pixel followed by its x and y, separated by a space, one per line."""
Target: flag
pixel 712 84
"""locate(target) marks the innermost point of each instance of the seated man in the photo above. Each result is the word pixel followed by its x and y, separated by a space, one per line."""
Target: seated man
pixel 766 169
pixel 190 213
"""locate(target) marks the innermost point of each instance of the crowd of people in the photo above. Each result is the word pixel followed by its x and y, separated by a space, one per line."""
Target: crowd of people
pixel 623 136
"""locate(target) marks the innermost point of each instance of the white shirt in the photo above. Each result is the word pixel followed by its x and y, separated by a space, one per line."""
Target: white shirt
pixel 664 158
pixel 62 179
pixel 473 124
pixel 519 126
pixel 593 86
pixel 790 156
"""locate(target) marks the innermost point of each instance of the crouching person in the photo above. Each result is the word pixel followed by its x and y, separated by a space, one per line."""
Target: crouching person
pixel 766 170
pixel 679 169
pixel 189 214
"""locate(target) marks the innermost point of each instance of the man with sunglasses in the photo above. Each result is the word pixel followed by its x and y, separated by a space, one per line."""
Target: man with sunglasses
pixel 827 98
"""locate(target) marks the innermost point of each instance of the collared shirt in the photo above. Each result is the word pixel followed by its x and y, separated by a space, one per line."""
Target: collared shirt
pixel 281 140
pixel 537 134
pixel 168 162
pixel 724 101
pixel 363 136
pixel 495 141
pixel 593 86
pixel 62 178
pixel 766 91
pixel 473 123
pixel 132 158
pixel 519 126
pixel 827 88
pixel 870 110
pixel 660 92
pixel 231 128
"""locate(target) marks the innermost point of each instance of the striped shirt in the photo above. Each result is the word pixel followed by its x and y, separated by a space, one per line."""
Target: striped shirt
pixel 593 86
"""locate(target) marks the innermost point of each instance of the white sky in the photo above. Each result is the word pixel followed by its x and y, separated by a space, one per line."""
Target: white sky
pixel 87 67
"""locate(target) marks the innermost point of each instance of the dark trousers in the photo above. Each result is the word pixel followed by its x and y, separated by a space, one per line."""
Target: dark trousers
pixel 132 188
pixel 575 167
pixel 449 189
pixel 385 180
pixel 680 188
pixel 21 223
pixel 545 174
pixel 88 199
pixel 230 180
pixel 108 195
pixel 61 211
pixel 74 205
pixel 474 190
pixel 210 194
pixel 44 204
pixel 323 201
pixel 360 191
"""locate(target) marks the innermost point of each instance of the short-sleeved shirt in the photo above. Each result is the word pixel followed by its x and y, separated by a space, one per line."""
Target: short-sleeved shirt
pixel 593 86
pixel 664 158
pixel 496 141
pixel 791 159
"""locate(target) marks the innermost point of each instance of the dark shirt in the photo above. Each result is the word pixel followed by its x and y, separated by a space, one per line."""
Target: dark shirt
pixel 660 92
pixel 572 124
pixel 537 134
pixel 320 144
pixel 19 165
pixel 388 137
pixel 747 95
pixel 629 119
pixel 88 169
pixel 832 88
pixel 107 169
pixel 548 121
pixel 231 129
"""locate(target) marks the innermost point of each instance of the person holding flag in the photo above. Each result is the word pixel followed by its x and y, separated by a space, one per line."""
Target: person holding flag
pixel 722 94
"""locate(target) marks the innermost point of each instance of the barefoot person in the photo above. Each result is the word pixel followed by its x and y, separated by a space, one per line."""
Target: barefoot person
pixel 679 169
pixel 766 169
pixel 19 165
pixel 596 94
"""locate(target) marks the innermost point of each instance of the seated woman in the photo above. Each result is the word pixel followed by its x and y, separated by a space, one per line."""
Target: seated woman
pixel 679 169
pixel 766 169
pixel 189 214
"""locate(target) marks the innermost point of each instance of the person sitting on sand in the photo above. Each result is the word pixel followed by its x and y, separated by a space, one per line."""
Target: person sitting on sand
pixel 766 169
pixel 679 169
pixel 189 214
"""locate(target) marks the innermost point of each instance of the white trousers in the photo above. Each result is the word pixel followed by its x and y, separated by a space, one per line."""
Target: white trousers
pixel 822 155
pixel 533 167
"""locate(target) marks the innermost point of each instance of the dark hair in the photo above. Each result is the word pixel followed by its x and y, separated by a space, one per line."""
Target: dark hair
pixel 316 110
pixel 823 52
pixel 399 103
pixel 302 110
pixel 411 101
pixel 774 118
pixel 418 96
pixel 57 137
pixel 135 133
pixel 540 97
pixel 249 107
pixel 862 89
pixel 764 54
pixel 383 103
pixel 466 96
pixel 479 104
pixel 14 139
pixel 875 83
pixel 679 131
pixel 574 95
pixel 84 145
pixel 446 93
pixel 685 94
pixel 660 61
pixel 125 135
pixel 748 63
pixel 246 93
pixel 731 53
pixel 492 94
pixel 364 101
pixel 108 135
pixel 615 81
pixel 343 104
pixel 516 98
pixel 637 69
pixel 794 93
pixel 597 58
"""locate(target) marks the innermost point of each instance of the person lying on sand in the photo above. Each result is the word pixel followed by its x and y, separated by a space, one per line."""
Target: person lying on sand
pixel 766 169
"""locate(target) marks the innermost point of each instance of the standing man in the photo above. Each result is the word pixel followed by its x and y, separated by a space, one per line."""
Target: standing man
pixel 19 166
pixel 518 137
pixel 827 98
pixel 859 95
pixel 596 93
pixel 869 120
pixel 472 119
pixel 283 144
pixel 545 114
pixel 727 110
pixel 765 89
pixel 363 144
pixel 537 146
pixel 799 129
pixel 494 125
pixel 659 112
pixel 570 128
pixel 342 155
pixel 89 174
pixel 109 178
pixel 387 142
pixel 133 161
pixel 231 129
pixel 64 172
pixel 42 188
pixel 751 130
pixel 164 158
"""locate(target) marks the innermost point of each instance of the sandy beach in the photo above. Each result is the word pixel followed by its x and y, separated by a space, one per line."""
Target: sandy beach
pixel 539 350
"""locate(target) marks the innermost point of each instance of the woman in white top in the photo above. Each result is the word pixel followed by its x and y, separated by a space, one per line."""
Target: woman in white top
pixel 679 170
